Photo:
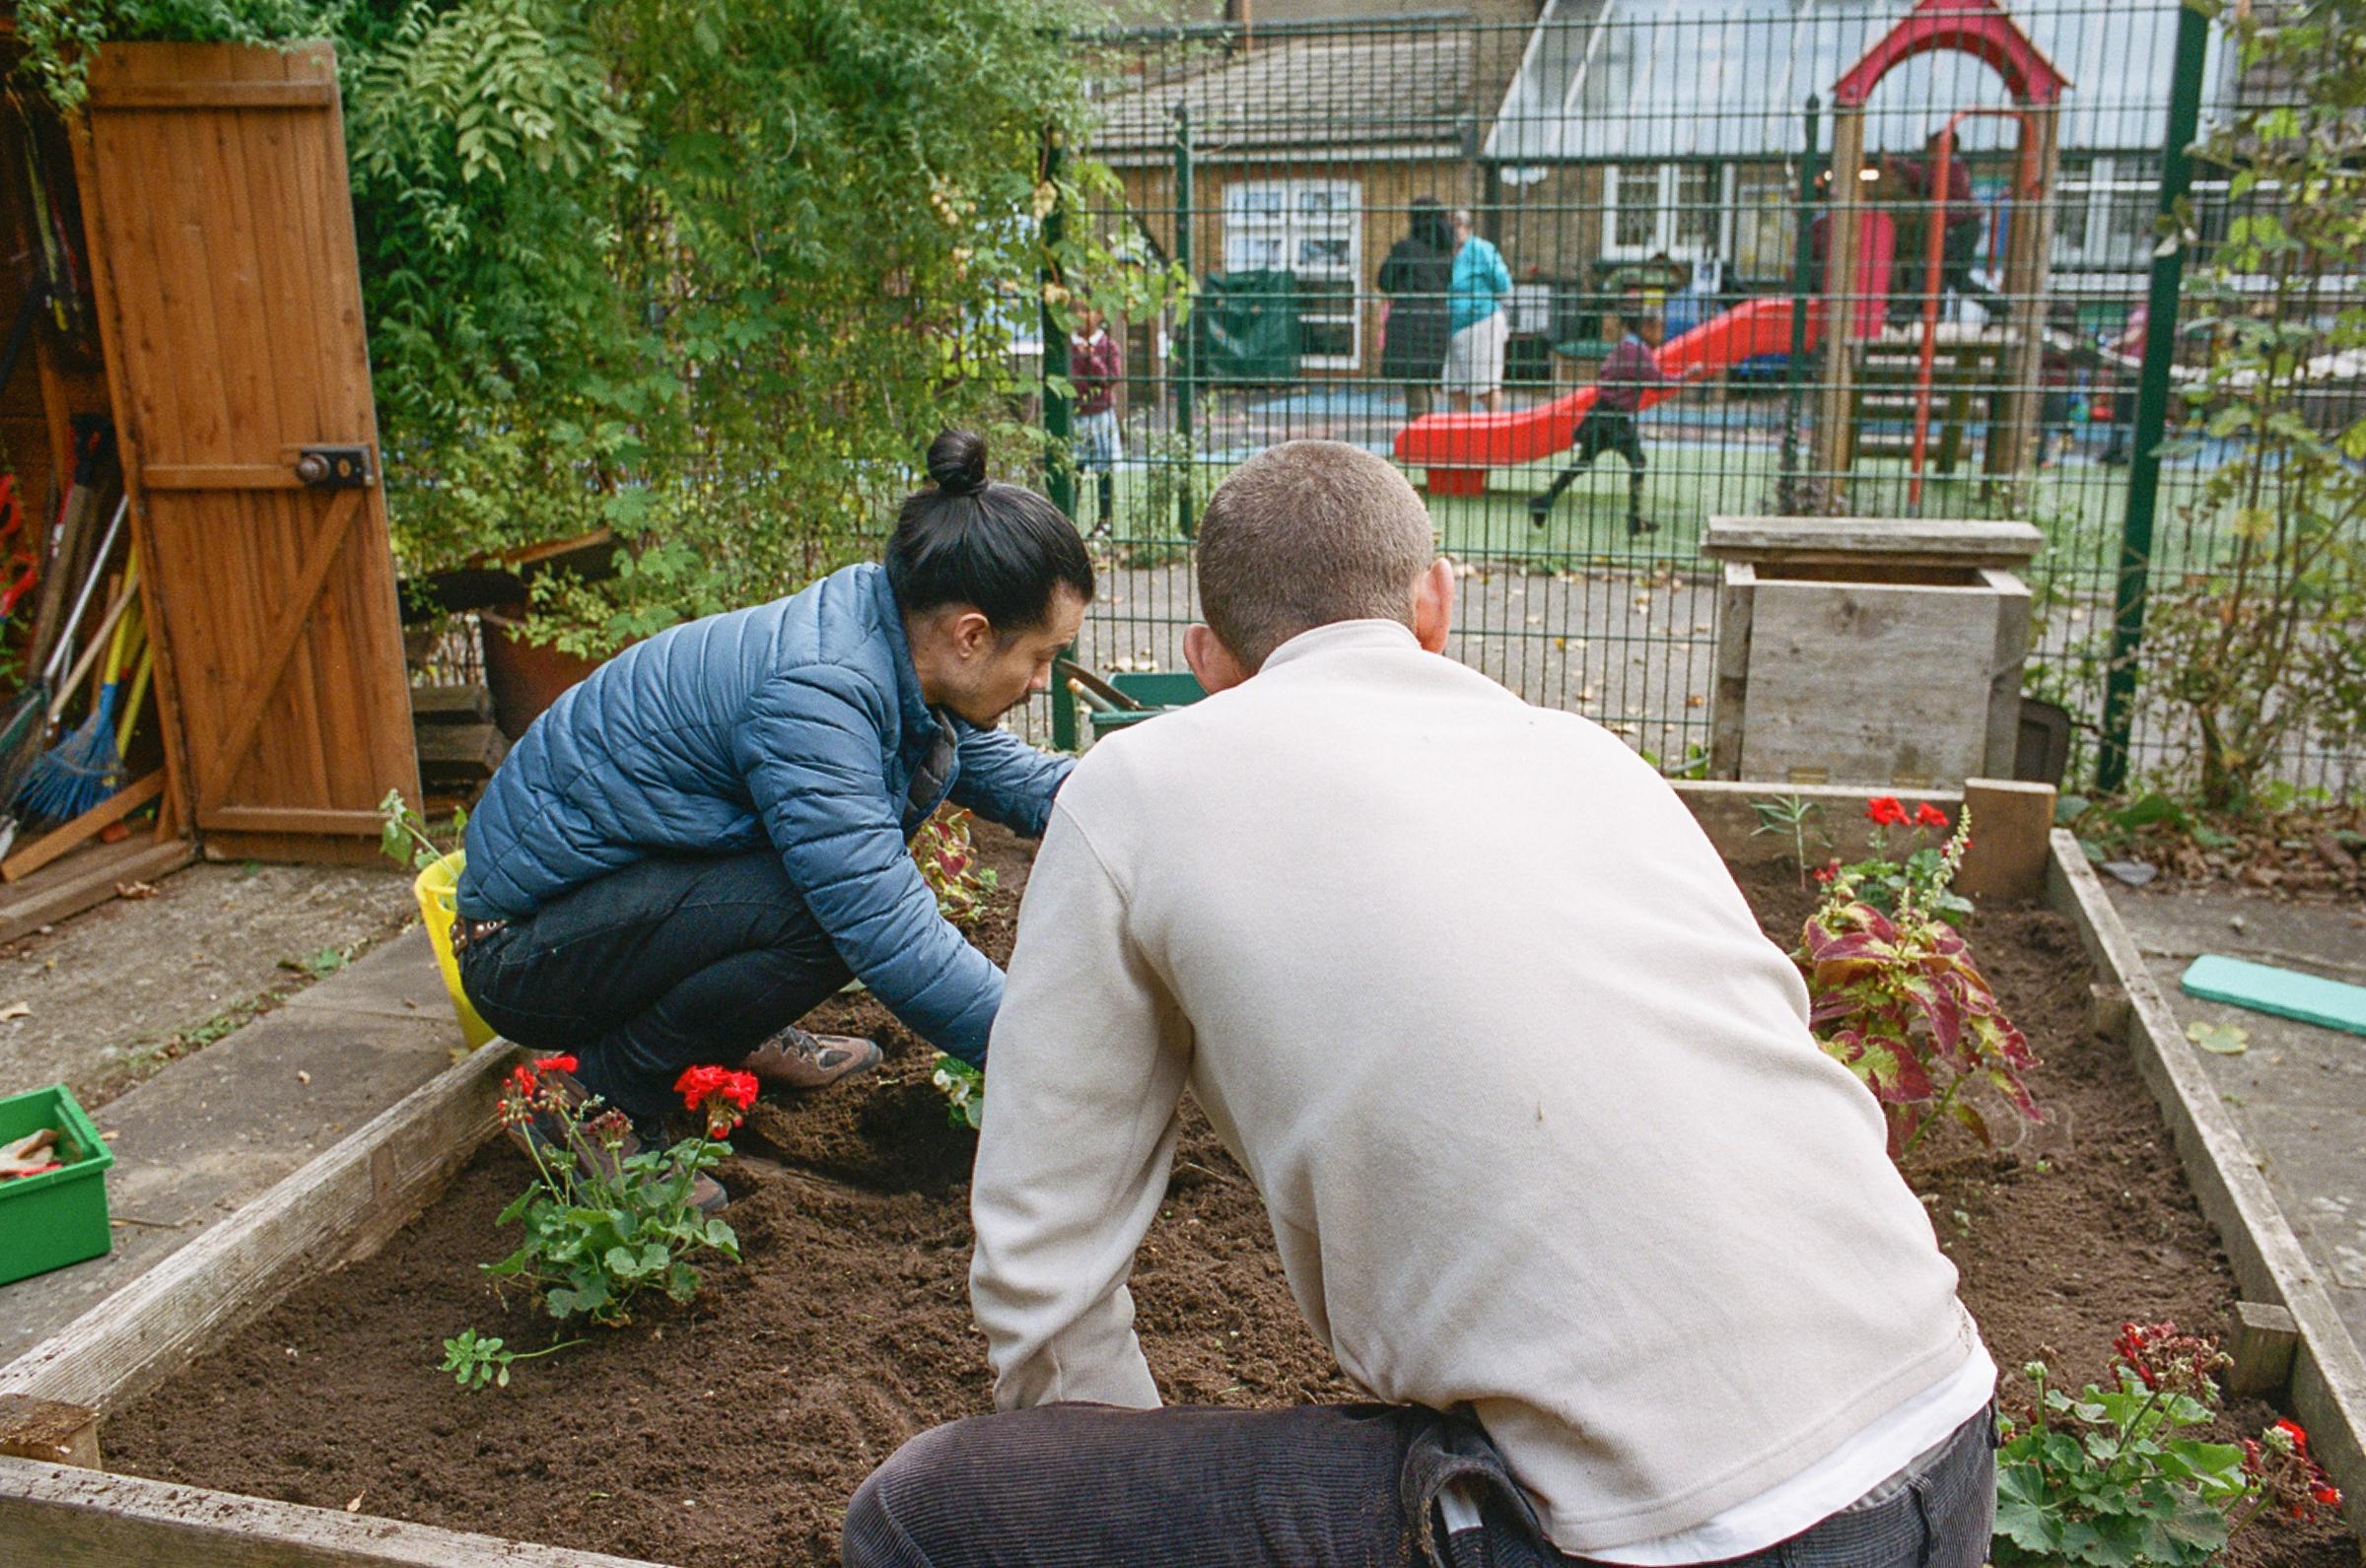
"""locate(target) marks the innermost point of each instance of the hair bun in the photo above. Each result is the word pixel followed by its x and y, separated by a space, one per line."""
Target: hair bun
pixel 957 463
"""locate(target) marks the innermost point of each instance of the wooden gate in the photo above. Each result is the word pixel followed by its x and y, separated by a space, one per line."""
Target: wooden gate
pixel 230 306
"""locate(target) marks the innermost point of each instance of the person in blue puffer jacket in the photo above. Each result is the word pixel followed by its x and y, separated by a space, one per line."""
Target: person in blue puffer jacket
pixel 708 836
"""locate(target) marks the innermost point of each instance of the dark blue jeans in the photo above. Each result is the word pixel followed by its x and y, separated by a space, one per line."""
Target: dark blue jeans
pixel 1338 1486
pixel 669 963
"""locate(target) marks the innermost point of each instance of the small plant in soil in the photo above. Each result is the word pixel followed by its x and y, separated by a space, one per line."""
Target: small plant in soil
pixel 474 1360
pixel 948 863
pixel 965 890
pixel 965 1089
pixel 1793 818
pixel 2114 1477
pixel 603 1226
pixel 1895 999
pixel 1916 868
pixel 407 840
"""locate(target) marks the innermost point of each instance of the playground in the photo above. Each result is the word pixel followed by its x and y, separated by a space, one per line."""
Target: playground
pixel 1893 263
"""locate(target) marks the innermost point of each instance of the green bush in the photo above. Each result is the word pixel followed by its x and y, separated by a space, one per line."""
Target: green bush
pixel 708 275
pixel 2261 650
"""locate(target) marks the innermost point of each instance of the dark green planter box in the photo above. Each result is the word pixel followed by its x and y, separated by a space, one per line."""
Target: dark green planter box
pixel 1159 689
pixel 59 1217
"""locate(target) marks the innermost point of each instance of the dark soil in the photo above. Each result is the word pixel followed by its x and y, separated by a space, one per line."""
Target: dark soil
pixel 733 1431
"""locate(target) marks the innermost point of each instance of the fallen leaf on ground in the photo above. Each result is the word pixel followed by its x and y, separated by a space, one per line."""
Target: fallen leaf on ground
pixel 135 890
pixel 2220 1040
pixel 355 1506
pixel 16 1009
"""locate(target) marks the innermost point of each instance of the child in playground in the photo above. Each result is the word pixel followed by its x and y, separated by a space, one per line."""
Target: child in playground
pixel 1095 362
pixel 1631 369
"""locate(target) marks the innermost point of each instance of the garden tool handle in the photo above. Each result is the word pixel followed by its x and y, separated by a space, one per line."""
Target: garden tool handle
pixel 90 655
pixel 82 602
pixel 1079 675
pixel 131 708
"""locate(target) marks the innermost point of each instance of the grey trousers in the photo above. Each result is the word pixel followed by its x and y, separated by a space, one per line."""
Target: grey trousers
pixel 1317 1486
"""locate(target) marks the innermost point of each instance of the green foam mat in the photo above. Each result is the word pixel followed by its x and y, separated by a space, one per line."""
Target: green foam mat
pixel 2285 993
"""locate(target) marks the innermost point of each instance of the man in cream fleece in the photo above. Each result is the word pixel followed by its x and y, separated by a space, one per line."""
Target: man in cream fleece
pixel 1554 1165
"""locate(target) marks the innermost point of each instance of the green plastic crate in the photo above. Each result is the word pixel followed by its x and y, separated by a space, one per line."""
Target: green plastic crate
pixel 59 1217
pixel 1159 690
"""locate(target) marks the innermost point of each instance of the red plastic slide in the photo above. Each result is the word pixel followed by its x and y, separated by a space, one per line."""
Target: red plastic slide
pixel 1459 449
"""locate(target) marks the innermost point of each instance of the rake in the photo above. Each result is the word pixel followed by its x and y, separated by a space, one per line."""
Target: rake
pixel 27 720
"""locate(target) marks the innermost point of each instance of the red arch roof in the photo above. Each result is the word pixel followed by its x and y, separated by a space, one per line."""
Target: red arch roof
pixel 1979 27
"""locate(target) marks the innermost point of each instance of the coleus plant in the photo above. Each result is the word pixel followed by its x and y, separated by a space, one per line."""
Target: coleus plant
pixel 1895 999
pixel 949 863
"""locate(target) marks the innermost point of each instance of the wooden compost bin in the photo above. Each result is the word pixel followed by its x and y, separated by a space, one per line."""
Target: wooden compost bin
pixel 56 1505
pixel 1868 651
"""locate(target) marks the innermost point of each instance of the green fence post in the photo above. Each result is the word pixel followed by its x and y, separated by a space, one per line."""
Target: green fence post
pixel 1802 286
pixel 1185 354
pixel 1059 430
pixel 2152 407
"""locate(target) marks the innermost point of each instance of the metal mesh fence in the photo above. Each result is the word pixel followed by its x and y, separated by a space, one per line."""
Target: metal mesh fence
pixel 1901 259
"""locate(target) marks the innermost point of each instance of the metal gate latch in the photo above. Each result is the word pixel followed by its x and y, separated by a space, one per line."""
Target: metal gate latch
pixel 335 467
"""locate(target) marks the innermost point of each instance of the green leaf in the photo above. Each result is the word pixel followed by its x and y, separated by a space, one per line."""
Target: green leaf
pixel 2220 1040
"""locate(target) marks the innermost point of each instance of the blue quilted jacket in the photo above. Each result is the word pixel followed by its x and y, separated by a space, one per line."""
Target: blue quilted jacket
pixel 798 723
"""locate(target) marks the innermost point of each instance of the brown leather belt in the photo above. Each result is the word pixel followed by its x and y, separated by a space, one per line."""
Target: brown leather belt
pixel 466 932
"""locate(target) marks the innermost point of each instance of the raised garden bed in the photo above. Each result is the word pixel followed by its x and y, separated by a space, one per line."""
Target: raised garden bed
pixel 734 1430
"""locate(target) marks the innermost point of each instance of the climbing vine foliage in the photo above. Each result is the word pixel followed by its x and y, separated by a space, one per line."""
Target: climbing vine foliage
pixel 705 274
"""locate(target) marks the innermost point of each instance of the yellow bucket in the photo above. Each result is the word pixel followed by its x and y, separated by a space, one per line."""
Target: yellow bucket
pixel 439 888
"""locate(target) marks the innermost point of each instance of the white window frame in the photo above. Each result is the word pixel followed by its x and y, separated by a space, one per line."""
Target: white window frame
pixel 2108 181
pixel 1729 226
pixel 1283 217
pixel 1667 178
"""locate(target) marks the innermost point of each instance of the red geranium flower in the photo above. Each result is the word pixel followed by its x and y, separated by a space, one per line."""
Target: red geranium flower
pixel 2292 1430
pixel 1825 873
pixel 560 1064
pixel 719 1094
pixel 1927 815
pixel 1887 811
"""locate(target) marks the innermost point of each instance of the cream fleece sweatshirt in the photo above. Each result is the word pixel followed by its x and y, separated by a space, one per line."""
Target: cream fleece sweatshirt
pixel 1531 1102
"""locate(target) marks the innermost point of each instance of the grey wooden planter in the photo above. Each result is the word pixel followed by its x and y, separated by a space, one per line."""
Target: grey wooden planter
pixel 1869 651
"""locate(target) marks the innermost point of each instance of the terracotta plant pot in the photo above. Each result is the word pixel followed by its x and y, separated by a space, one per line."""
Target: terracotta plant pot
pixel 525 678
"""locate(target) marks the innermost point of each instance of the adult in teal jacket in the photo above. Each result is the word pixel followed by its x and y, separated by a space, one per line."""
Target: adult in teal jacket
pixel 1480 327
pixel 709 835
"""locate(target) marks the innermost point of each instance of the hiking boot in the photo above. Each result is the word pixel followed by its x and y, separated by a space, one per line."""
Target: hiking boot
pixel 543 1136
pixel 1540 507
pixel 795 1059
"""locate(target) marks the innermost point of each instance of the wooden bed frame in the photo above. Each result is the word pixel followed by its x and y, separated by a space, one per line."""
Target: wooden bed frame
pixel 59 1507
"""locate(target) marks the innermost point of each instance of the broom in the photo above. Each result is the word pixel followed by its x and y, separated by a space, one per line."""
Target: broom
pixel 85 768
pixel 27 720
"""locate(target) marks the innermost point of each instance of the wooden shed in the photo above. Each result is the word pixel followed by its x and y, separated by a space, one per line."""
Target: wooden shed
pixel 216 322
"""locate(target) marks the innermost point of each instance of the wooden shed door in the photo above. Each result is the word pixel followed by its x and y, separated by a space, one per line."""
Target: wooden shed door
pixel 222 231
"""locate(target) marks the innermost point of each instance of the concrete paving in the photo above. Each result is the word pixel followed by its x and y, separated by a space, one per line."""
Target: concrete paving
pixel 215 1129
pixel 103 999
pixel 2298 1092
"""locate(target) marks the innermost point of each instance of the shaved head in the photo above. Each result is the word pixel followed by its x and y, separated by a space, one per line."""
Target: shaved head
pixel 1304 534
